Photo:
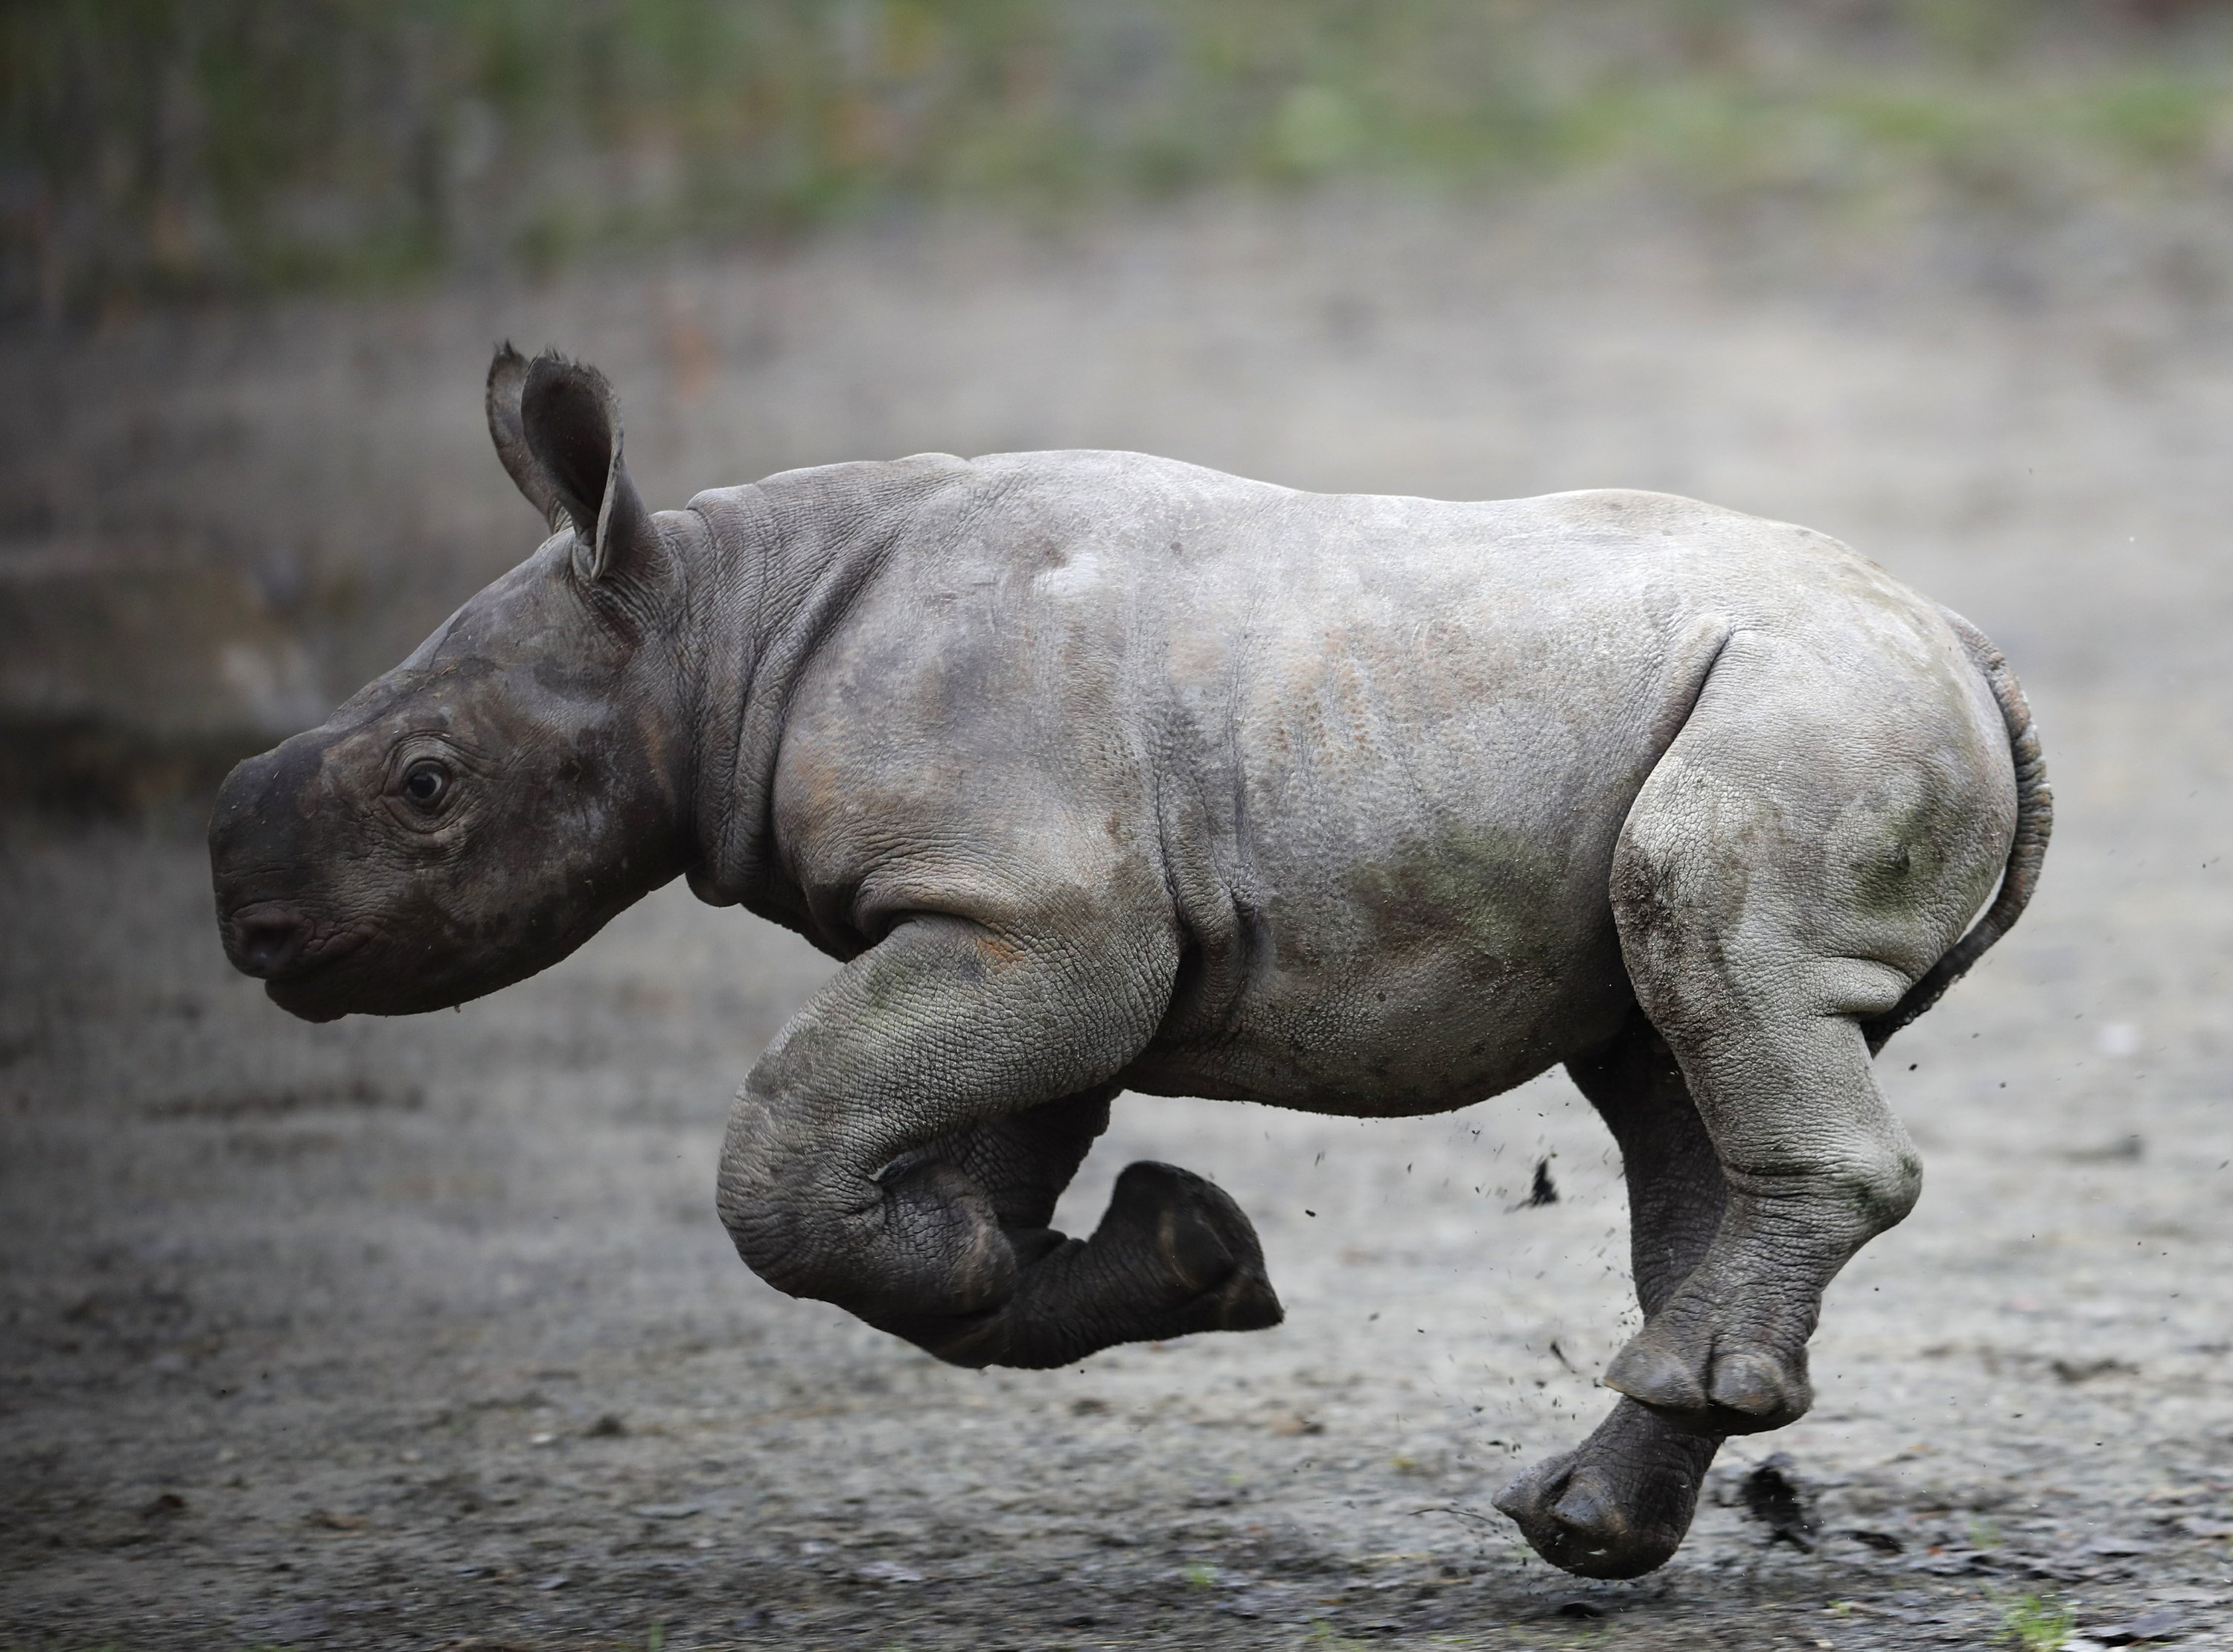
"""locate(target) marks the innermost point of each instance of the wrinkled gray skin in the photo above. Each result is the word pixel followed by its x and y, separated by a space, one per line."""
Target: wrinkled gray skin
pixel 1104 772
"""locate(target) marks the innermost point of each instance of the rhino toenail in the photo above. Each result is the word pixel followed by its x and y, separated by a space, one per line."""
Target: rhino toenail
pixel 1655 1377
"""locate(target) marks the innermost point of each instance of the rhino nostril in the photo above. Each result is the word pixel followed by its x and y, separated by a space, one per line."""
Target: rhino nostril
pixel 266 939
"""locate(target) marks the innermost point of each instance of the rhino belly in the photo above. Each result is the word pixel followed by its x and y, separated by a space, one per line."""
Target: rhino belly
pixel 1405 989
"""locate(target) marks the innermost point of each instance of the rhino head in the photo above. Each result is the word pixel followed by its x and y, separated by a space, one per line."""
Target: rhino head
pixel 482 809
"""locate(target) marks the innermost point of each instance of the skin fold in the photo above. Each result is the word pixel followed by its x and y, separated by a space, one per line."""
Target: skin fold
pixel 1105 773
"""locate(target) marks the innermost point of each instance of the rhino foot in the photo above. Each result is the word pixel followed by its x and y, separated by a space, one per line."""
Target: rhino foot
pixel 1619 1504
pixel 1185 1241
pixel 1711 1371
pixel 1172 1255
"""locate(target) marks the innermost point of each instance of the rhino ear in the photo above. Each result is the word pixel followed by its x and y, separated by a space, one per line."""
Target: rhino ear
pixel 507 377
pixel 567 456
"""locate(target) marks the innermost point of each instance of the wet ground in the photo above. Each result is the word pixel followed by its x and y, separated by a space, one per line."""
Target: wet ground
pixel 419 1333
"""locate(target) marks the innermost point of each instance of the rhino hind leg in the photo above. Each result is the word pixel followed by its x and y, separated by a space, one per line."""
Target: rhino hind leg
pixel 1620 1503
pixel 1725 1353
pixel 1780 880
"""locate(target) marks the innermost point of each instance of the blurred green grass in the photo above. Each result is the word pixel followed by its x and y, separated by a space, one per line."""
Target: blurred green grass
pixel 153 149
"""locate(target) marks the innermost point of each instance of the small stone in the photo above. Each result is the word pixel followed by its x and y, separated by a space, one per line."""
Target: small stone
pixel 890 1572
pixel 667 1511
pixel 2115 1543
pixel 2161 1624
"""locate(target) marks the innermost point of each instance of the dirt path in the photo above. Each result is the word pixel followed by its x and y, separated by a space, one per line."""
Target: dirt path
pixel 392 1333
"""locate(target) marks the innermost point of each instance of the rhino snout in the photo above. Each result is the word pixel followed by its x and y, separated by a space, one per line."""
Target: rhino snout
pixel 254 863
pixel 263 939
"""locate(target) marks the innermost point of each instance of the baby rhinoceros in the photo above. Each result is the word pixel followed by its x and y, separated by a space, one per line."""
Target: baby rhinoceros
pixel 1105 773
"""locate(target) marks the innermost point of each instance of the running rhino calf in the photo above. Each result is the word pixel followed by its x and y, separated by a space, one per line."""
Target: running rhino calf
pixel 1103 772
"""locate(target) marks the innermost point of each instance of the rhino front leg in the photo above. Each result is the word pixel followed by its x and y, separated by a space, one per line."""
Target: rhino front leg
pixel 1172 1255
pixel 900 1148
pixel 1619 1504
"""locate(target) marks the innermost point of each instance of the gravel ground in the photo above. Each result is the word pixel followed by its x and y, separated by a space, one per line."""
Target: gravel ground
pixel 424 1333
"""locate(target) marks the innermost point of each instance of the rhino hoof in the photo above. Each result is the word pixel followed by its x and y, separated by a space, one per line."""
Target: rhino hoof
pixel 1246 1302
pixel 1570 1517
pixel 1754 1386
pixel 1730 1392
pixel 1201 1243
pixel 1655 1376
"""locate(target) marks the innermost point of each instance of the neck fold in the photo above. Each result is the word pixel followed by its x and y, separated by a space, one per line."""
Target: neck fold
pixel 786 558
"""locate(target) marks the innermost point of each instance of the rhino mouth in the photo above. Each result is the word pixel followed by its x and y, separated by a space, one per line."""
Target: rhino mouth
pixel 294 956
pixel 355 975
pixel 350 977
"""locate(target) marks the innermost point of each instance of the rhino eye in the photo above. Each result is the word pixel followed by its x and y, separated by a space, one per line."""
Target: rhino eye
pixel 425 783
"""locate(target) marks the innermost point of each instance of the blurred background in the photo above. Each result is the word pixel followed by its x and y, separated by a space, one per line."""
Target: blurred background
pixel 252 257
pixel 171 150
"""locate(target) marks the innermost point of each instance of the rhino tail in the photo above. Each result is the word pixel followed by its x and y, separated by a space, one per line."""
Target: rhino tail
pixel 2035 822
